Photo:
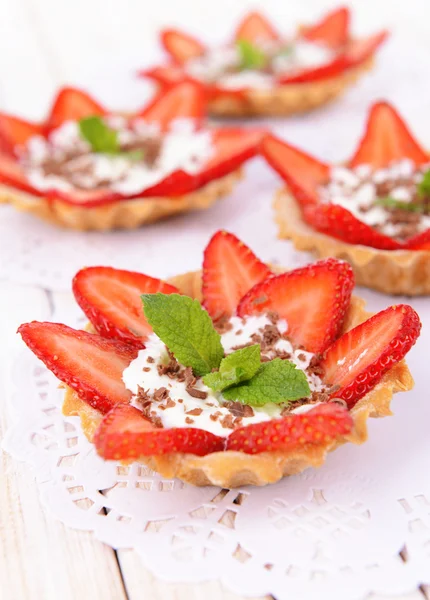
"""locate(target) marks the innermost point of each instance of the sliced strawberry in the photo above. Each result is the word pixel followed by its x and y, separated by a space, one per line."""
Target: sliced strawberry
pixel 230 269
pixel 420 241
pixel 164 74
pixel 86 362
pixel 72 104
pixel 15 132
pixel 125 434
pixel 387 138
pixel 313 300
pixel 302 173
pixel 360 50
pixel 187 99
pixel 256 28
pixel 180 45
pixel 338 222
pixel 332 30
pixel 326 71
pixel 110 298
pixel 321 425
pixel 358 359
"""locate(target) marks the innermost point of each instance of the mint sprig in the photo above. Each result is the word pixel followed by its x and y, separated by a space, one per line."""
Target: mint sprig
pixel 423 188
pixel 389 202
pixel 276 381
pixel 251 56
pixel 186 329
pixel 100 137
pixel 104 140
pixel 188 332
pixel 238 366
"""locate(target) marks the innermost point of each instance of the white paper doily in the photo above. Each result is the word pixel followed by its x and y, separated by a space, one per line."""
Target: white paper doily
pixel 37 253
pixel 359 524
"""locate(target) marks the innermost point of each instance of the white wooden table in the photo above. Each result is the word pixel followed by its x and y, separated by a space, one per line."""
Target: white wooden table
pixel 44 43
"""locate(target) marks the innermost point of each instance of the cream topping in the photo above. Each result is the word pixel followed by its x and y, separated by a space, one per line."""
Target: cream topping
pixel 359 189
pixel 222 65
pixel 180 148
pixel 180 409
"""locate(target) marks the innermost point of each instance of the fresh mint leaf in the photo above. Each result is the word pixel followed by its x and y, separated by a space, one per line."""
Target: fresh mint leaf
pixel 423 188
pixel 186 329
pixel 276 381
pixel 251 56
pixel 100 137
pixel 389 202
pixel 238 366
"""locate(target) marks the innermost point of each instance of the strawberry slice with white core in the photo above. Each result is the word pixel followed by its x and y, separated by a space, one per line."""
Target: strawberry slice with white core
pixel 125 434
pixel 387 138
pixel 110 298
pixel 360 357
pixel 72 104
pixel 230 269
pixel 255 28
pixel 313 300
pixel 15 132
pixel 86 362
pixel 332 30
pixel 186 100
pixel 181 46
pixel 321 425
pixel 301 172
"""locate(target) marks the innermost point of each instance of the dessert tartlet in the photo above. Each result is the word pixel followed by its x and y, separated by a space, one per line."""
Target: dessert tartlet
pixel 85 168
pixel 270 373
pixel 262 72
pixel 374 211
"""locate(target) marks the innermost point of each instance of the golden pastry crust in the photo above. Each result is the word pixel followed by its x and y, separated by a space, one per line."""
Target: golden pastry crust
pixel 405 272
pixel 122 214
pixel 287 99
pixel 235 469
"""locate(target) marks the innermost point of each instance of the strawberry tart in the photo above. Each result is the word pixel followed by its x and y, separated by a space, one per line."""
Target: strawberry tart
pixel 86 168
pixel 262 72
pixel 230 376
pixel 373 211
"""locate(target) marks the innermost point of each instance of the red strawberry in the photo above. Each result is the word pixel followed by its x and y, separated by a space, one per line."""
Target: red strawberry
pixel 230 269
pixel 387 138
pixel 312 299
pixel 256 28
pixel 360 357
pixel 181 46
pixel 302 173
pixel 332 30
pixel 322 424
pixel 86 362
pixel 15 132
pixel 326 71
pixel 72 104
pixel 125 434
pixel 420 241
pixel 186 99
pixel 164 75
pixel 110 298
pixel 359 50
pixel 338 222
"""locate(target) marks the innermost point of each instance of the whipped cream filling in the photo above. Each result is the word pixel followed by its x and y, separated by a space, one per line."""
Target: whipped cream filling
pixel 359 190
pixel 180 148
pixel 222 65
pixel 176 407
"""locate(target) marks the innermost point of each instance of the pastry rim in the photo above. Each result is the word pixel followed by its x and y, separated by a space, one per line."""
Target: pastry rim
pixel 234 469
pixel 289 98
pixel 120 214
pixel 405 272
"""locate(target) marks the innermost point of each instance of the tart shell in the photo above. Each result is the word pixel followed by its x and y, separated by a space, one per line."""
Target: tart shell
pixel 122 214
pixel 286 99
pixel 235 469
pixel 398 272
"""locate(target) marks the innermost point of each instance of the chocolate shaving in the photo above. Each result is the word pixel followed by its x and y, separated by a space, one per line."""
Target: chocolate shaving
pixel 227 421
pixel 195 412
pixel 238 409
pixel 160 394
pixel 190 381
pixel 171 369
pixel 188 420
